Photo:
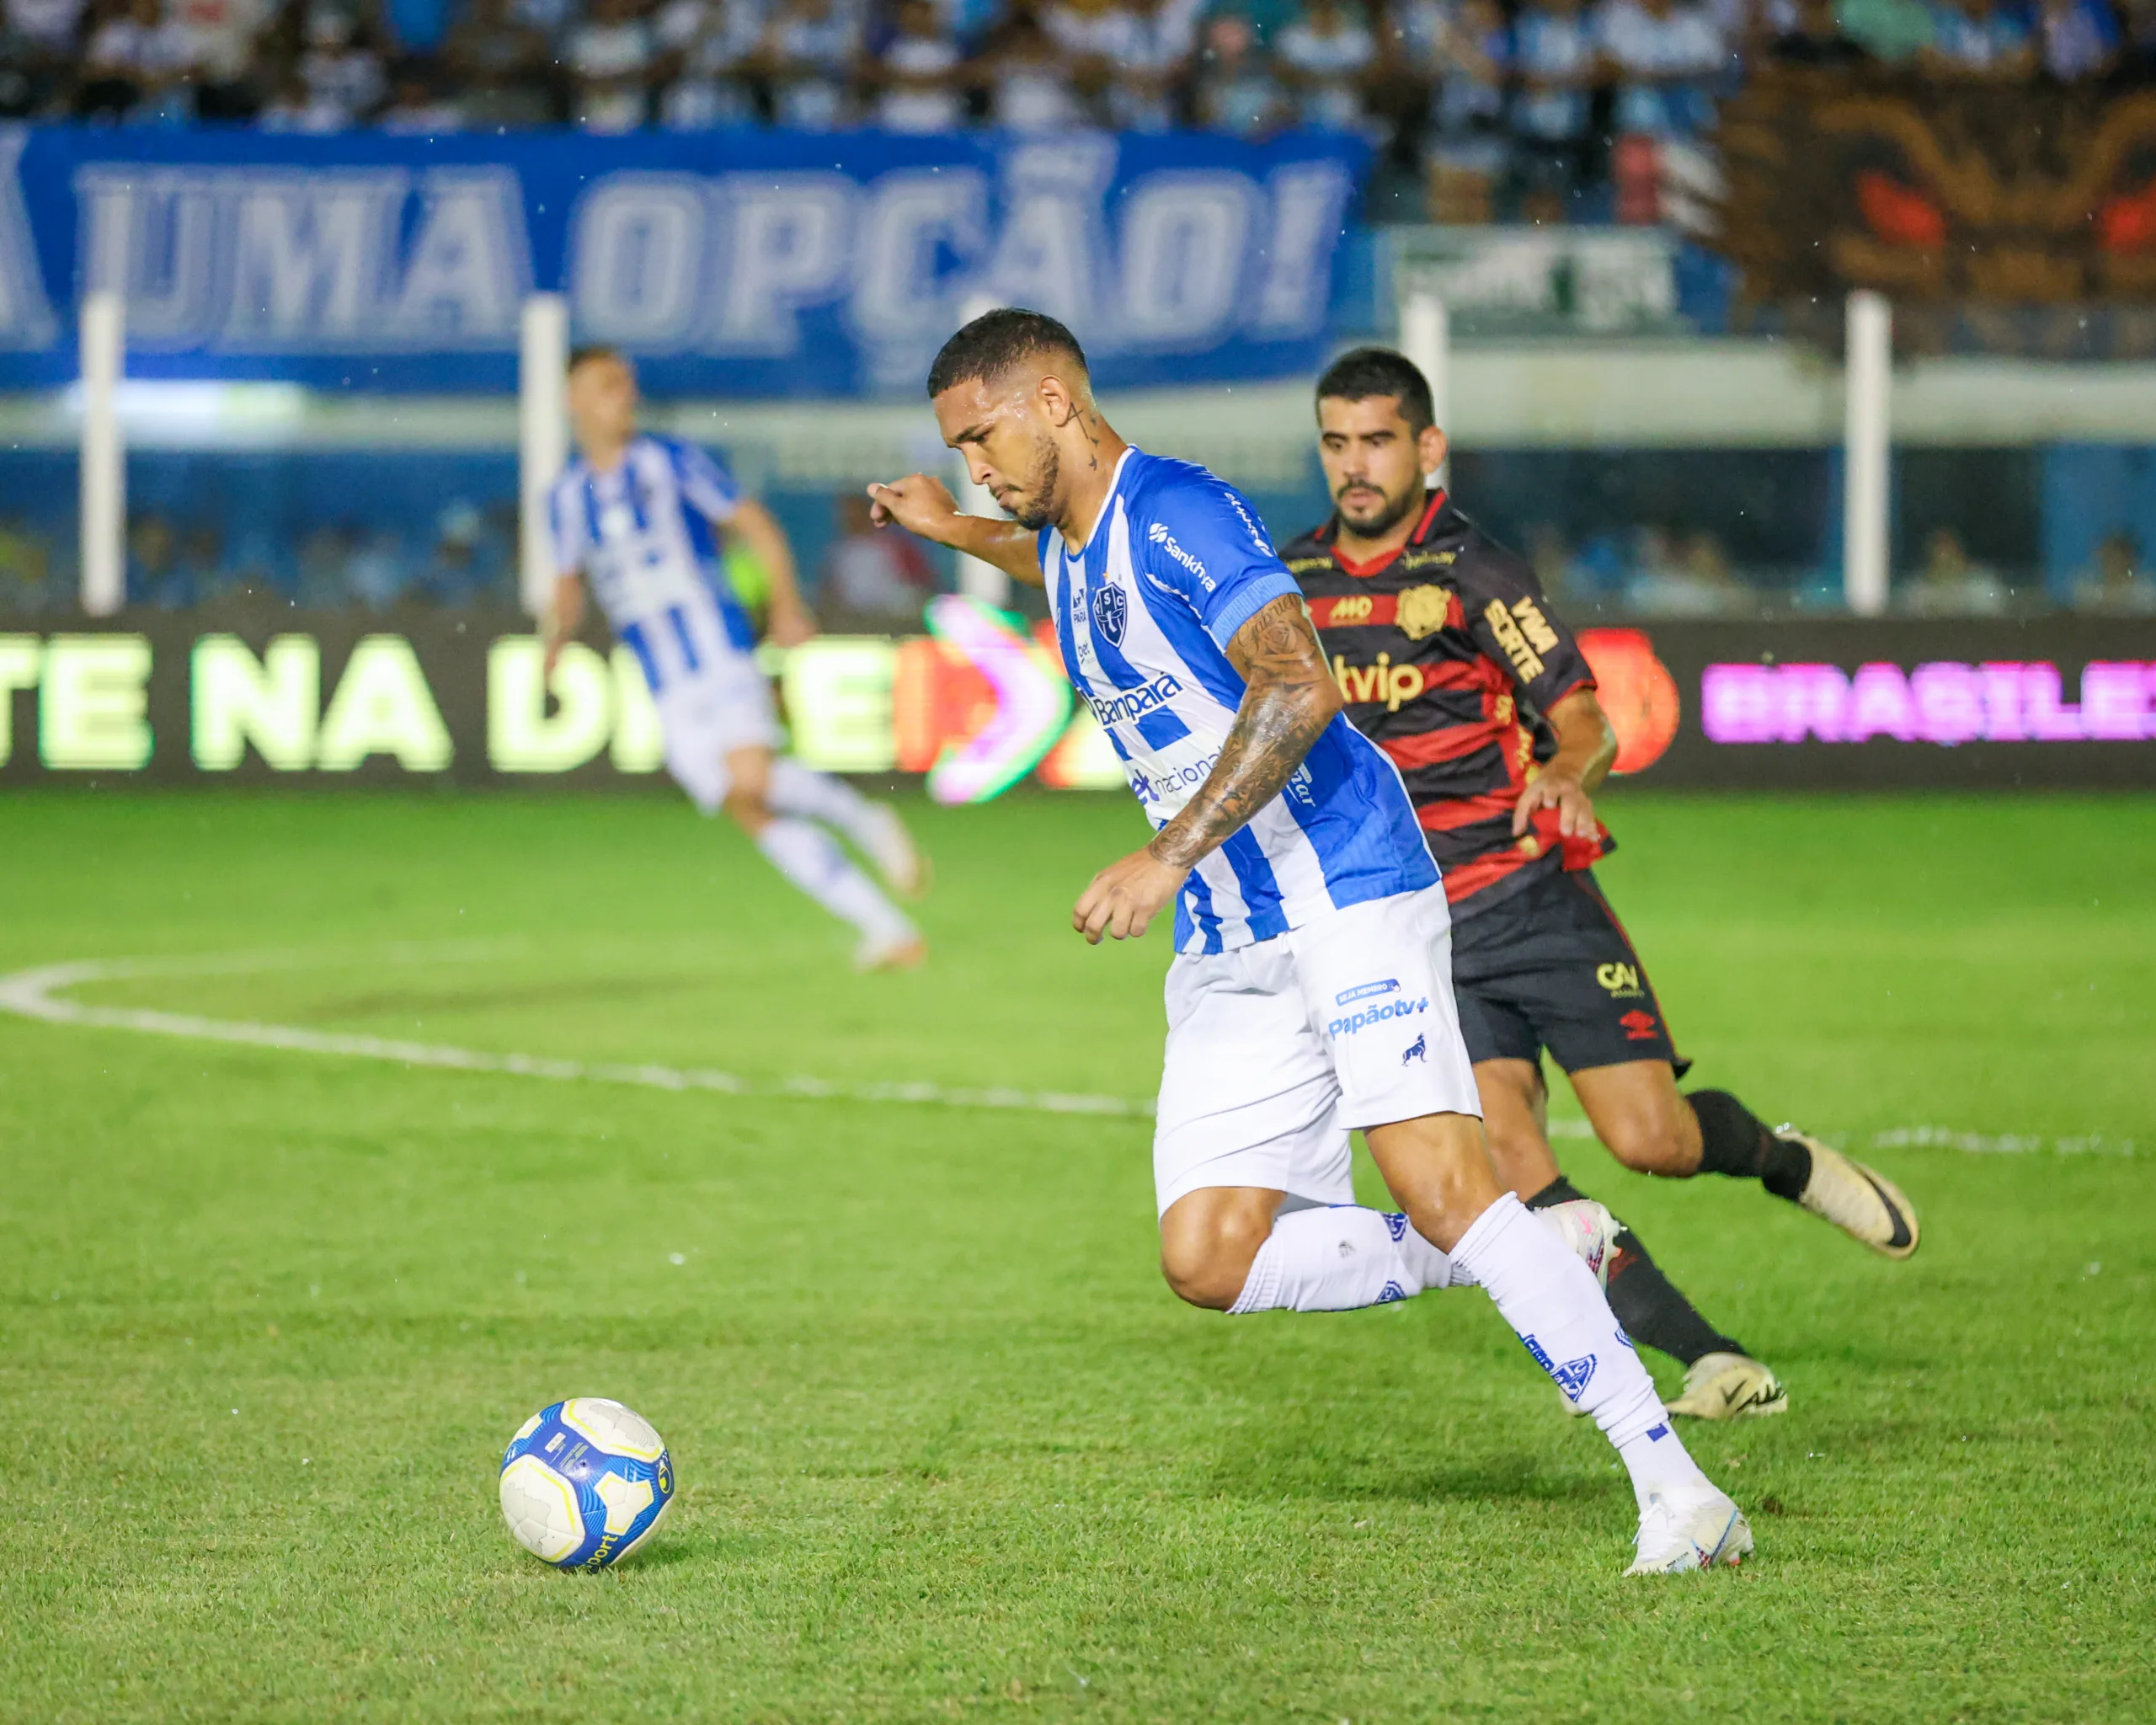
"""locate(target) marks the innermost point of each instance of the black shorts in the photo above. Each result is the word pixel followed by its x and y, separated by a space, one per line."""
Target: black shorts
pixel 1549 966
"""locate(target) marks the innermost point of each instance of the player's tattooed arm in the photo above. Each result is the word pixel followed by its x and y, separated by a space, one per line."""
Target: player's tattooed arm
pixel 922 504
pixel 1290 698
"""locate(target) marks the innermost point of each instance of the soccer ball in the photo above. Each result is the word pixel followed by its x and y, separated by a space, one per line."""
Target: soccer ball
pixel 584 1482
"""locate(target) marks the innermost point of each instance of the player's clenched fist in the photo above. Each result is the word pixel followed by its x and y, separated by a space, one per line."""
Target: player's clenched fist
pixel 1125 897
pixel 919 502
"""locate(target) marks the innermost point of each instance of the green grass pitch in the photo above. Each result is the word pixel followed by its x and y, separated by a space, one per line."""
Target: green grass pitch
pixel 948 1449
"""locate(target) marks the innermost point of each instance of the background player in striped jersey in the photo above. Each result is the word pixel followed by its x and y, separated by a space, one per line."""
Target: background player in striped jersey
pixel 1451 659
pixel 637 516
pixel 1309 993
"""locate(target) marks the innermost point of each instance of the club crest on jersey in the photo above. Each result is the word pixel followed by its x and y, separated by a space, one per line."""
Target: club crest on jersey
pixel 1111 612
pixel 1421 611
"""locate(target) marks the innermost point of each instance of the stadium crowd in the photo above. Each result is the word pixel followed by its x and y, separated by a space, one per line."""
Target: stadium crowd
pixel 1505 105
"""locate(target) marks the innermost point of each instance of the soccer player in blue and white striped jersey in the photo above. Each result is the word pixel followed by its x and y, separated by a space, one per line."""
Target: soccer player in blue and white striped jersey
pixel 1311 991
pixel 637 518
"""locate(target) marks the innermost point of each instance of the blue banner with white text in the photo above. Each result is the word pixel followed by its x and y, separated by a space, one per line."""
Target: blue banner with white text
pixel 743 264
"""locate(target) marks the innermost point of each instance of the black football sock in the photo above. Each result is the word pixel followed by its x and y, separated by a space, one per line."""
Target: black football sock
pixel 1646 1302
pixel 1733 1141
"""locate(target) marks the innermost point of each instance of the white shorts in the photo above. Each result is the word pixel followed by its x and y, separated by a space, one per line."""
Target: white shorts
pixel 1277 1051
pixel 705 717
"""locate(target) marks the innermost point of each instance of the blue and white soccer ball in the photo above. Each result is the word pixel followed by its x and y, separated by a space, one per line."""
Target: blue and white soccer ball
pixel 584 1482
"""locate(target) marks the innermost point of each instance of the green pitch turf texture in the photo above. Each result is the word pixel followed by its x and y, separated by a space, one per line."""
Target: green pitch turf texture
pixel 948 1447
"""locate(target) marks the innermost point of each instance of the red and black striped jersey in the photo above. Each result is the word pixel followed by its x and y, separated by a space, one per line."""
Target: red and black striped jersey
pixel 1448 657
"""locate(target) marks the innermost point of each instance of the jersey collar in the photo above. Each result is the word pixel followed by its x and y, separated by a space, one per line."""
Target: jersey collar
pixel 1329 535
pixel 1108 502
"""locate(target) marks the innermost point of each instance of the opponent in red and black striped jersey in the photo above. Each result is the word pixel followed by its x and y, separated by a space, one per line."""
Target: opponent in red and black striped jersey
pixel 1448 654
pixel 1449 657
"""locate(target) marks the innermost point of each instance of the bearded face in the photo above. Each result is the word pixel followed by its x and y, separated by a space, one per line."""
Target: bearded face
pixel 1031 501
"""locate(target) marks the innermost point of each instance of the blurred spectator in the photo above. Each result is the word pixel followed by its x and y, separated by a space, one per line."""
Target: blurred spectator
pixel 140 64
pixel 2138 18
pixel 612 58
pixel 2119 585
pixel 499 63
pixel 461 567
pixel 199 562
pixel 871 576
pixel 713 46
pixel 917 74
pixel 1553 55
pixel 809 53
pixel 1236 92
pixel 1951 584
pixel 1692 578
pixel 1127 58
pixel 1029 77
pixel 297 108
pixel 1665 58
pixel 1978 37
pixel 1467 155
pixel 375 572
pixel 1813 36
pixel 550 17
pixel 154 576
pixel 415 110
pixel 49 29
pixel 25 568
pixel 2079 38
pixel 1887 29
pixel 1324 57
pixel 341 71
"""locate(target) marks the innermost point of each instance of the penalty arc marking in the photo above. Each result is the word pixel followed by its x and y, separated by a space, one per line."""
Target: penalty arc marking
pixel 41 994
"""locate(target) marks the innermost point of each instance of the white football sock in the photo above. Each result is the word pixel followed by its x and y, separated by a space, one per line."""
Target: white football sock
pixel 1550 1299
pixel 810 858
pixel 1338 1258
pixel 800 790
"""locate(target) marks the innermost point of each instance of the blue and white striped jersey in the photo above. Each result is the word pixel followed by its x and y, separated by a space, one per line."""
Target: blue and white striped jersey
pixel 642 536
pixel 1176 564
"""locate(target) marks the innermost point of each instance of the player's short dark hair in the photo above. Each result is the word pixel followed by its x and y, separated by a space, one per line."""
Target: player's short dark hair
pixel 1362 372
pixel 589 351
pixel 994 342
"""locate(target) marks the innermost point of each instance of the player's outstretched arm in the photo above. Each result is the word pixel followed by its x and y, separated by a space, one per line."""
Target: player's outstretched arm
pixel 563 618
pixel 922 504
pixel 1289 698
pixel 791 621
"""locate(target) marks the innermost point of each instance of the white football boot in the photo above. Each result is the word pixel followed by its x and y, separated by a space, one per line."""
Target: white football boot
pixel 1696 1528
pixel 897 859
pixel 1730 1386
pixel 1861 1201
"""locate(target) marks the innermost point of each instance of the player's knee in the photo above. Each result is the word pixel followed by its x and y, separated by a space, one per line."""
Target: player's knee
pixel 1650 1141
pixel 748 810
pixel 1207 1260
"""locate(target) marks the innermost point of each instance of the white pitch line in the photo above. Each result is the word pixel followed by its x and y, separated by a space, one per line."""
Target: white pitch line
pixel 37 994
pixel 1944 1138
pixel 34 994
